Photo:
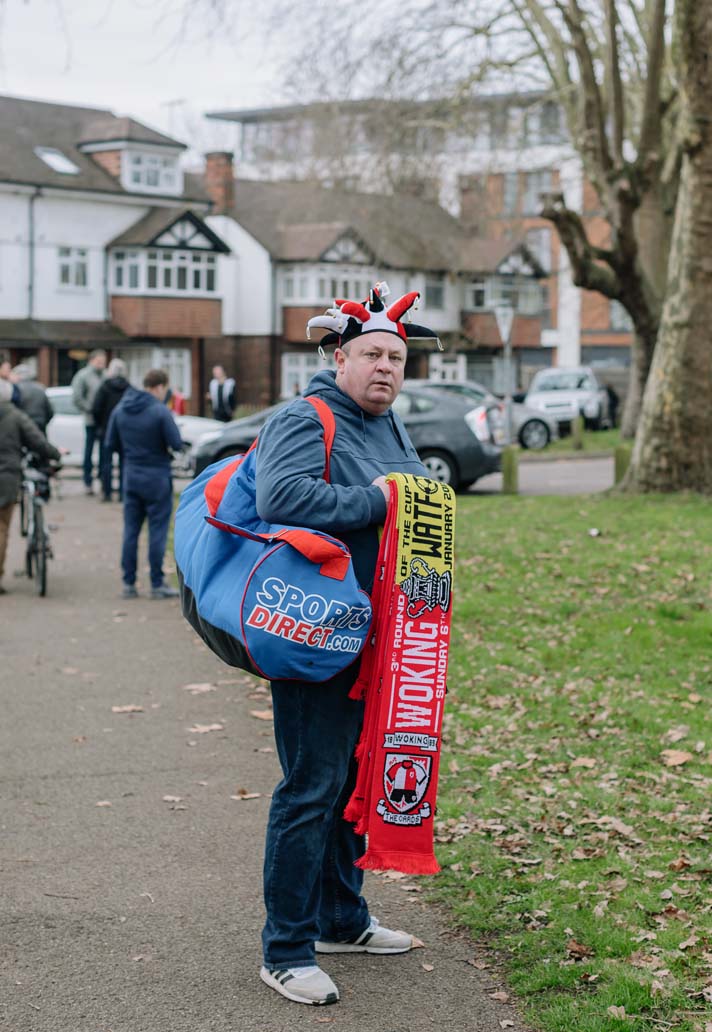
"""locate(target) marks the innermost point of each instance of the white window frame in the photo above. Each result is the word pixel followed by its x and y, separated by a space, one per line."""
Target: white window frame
pixel 144 171
pixel 176 362
pixel 57 160
pixel 314 285
pixel 536 183
pixel 157 270
pixel 73 268
pixel 435 287
pixel 538 242
pixel 472 289
pixel 297 369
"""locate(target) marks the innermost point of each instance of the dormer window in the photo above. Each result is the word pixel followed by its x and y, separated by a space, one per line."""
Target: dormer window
pixel 149 171
pixel 57 161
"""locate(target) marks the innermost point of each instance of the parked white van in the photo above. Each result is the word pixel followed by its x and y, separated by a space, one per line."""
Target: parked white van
pixel 565 392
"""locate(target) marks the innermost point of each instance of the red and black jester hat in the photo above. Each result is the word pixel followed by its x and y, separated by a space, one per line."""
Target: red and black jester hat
pixel 349 319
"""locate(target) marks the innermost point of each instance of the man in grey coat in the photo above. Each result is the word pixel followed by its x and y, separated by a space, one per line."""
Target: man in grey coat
pixel 33 397
pixel 84 387
pixel 17 431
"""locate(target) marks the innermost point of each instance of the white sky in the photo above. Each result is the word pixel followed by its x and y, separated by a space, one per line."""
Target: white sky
pixel 136 58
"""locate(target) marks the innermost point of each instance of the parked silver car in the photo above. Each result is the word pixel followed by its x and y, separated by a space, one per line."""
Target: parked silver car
pixel 565 392
pixel 532 428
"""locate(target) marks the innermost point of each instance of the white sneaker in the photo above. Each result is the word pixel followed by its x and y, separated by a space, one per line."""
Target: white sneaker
pixel 303 985
pixel 374 940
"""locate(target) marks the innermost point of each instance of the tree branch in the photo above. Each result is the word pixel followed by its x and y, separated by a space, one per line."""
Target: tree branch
pixel 614 73
pixel 594 144
pixel 585 257
pixel 650 129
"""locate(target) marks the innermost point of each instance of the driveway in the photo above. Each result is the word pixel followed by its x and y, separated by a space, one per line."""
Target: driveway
pixel 555 477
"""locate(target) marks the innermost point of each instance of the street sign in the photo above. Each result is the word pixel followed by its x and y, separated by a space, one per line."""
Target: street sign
pixel 504 315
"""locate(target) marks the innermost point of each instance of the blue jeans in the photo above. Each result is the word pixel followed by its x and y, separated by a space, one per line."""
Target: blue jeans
pixel 88 463
pixel 312 889
pixel 153 501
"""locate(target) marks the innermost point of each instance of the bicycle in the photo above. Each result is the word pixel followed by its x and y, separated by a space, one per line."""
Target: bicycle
pixel 34 495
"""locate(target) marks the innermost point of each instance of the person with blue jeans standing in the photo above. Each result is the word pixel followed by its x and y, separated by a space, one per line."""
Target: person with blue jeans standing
pixel 85 385
pixel 143 429
pixel 312 890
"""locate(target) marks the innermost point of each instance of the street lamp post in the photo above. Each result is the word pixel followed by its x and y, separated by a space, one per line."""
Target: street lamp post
pixel 505 317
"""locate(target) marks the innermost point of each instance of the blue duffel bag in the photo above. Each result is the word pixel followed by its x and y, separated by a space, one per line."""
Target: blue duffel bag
pixel 281 602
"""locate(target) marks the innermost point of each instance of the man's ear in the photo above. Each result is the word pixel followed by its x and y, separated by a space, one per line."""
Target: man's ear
pixel 339 357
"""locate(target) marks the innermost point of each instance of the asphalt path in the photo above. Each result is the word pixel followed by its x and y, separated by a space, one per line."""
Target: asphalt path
pixel 555 477
pixel 130 879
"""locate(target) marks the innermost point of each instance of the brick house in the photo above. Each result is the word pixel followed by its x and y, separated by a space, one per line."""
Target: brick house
pixel 104 244
pixel 489 169
pixel 296 245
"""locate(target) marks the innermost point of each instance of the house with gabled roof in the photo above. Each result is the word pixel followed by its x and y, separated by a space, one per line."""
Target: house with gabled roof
pixel 298 245
pixel 108 242
pixel 104 244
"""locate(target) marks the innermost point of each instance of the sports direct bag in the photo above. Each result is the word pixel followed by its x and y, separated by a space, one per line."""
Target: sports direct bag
pixel 281 602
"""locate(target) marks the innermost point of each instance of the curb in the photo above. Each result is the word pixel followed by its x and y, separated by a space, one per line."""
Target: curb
pixel 572 456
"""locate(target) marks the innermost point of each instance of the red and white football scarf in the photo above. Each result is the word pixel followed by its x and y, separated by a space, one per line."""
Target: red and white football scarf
pixel 403 679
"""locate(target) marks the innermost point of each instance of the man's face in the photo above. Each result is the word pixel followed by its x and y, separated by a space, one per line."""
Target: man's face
pixel 372 371
pixel 5 370
pixel 99 362
pixel 218 372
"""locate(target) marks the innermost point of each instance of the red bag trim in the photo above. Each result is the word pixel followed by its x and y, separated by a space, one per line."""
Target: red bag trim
pixel 217 485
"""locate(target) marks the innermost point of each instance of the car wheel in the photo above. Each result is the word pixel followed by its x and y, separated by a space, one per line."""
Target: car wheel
pixel 534 435
pixel 441 466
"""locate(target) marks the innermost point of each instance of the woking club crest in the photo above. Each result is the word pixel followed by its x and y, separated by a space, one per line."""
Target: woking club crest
pixel 405 781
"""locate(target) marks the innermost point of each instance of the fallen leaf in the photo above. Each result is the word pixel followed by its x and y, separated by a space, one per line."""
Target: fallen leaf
pixel 103 802
pixel 127 709
pixel 428 967
pixel 417 944
pixel 656 988
pixel 617 1012
pixel 203 729
pixel 262 714
pixel 172 798
pixel 199 689
pixel 69 670
pixel 577 950
pixel 676 734
pixel 506 1023
pixel 666 894
pixel 242 794
pixel 266 748
pixel 481 965
pixel 692 941
pixel 500 997
pixel 681 864
pixel 600 908
pixel 675 757
pixel 584 761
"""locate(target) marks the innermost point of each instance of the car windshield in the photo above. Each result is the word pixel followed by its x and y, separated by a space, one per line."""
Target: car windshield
pixel 575 381
pixel 465 389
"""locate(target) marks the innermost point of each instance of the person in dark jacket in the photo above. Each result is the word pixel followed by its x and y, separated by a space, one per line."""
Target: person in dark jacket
pixel 17 431
pixel 315 906
pixel 85 384
pixel 107 398
pixel 33 397
pixel 144 430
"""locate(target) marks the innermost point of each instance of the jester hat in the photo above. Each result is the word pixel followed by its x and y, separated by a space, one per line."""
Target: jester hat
pixel 349 319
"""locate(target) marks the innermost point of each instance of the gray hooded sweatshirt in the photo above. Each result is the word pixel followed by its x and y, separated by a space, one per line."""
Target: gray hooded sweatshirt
pixel 290 466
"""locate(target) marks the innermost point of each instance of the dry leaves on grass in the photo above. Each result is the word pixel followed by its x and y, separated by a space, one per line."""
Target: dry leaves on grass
pixel 577 950
pixel 204 729
pixel 127 709
pixel 617 1012
pixel 675 757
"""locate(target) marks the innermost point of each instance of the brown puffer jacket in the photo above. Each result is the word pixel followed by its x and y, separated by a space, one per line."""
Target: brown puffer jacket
pixel 17 431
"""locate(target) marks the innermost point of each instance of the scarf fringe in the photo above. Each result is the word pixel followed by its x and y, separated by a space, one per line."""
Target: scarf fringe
pixel 408 863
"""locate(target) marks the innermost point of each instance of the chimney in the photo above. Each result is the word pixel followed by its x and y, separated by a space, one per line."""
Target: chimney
pixel 473 202
pixel 220 181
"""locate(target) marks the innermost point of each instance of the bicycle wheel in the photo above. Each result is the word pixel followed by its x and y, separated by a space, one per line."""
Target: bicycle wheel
pixel 40 552
pixel 24 512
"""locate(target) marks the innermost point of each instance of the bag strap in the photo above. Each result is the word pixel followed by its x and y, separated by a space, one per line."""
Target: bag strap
pixel 330 555
pixel 217 485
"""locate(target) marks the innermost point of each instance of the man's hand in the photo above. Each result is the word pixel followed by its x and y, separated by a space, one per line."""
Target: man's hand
pixel 381 482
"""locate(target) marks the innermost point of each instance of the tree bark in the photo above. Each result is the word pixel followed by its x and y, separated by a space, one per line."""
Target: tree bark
pixel 673 446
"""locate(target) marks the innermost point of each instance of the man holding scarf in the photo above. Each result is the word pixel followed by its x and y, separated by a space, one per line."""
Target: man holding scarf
pixel 312 889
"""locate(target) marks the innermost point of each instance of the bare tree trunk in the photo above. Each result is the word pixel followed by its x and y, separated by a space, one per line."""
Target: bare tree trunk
pixel 653 225
pixel 673 447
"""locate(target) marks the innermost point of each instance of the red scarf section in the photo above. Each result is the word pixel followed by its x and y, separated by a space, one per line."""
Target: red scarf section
pixel 403 679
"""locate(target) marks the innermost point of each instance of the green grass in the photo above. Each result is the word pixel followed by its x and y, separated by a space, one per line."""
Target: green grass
pixel 576 661
pixel 593 440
